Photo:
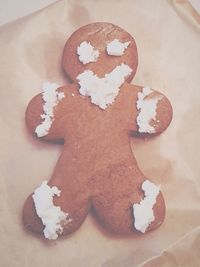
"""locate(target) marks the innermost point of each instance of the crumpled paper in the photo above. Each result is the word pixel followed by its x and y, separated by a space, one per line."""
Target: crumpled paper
pixel 167 34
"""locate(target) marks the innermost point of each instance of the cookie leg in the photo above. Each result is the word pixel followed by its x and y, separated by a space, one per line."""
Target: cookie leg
pixel 119 187
pixel 73 199
pixel 77 212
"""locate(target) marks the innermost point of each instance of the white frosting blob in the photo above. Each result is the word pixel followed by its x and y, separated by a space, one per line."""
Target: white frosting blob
pixel 147 110
pixel 117 48
pixel 53 218
pixel 103 91
pixel 87 53
pixel 143 211
pixel 51 98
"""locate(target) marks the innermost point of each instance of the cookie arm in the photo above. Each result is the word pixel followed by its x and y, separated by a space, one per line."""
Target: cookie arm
pixel 33 113
pixel 46 119
pixel 164 113
pixel 152 111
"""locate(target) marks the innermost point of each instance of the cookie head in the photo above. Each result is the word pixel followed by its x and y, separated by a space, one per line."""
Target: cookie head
pixel 100 48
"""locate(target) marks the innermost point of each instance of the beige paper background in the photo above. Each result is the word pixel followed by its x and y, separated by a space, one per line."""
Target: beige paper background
pixel 168 39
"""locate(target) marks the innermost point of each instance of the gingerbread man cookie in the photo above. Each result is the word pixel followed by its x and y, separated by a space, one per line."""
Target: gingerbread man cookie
pixel 95 116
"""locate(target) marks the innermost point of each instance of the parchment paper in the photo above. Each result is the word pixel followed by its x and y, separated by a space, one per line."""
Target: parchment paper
pixel 167 34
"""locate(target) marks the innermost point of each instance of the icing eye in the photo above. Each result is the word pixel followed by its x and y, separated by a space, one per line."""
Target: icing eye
pixel 87 53
pixel 116 48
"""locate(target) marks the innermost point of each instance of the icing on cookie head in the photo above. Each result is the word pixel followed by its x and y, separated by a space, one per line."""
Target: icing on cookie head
pixel 100 48
pixel 100 57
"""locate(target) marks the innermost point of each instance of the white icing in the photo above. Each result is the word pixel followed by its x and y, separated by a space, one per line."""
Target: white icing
pixel 103 91
pixel 51 98
pixel 61 95
pixel 117 48
pixel 53 218
pixel 87 53
pixel 143 211
pixel 147 110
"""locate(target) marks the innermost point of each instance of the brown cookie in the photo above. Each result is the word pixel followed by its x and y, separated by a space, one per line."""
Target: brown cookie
pixel 95 116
